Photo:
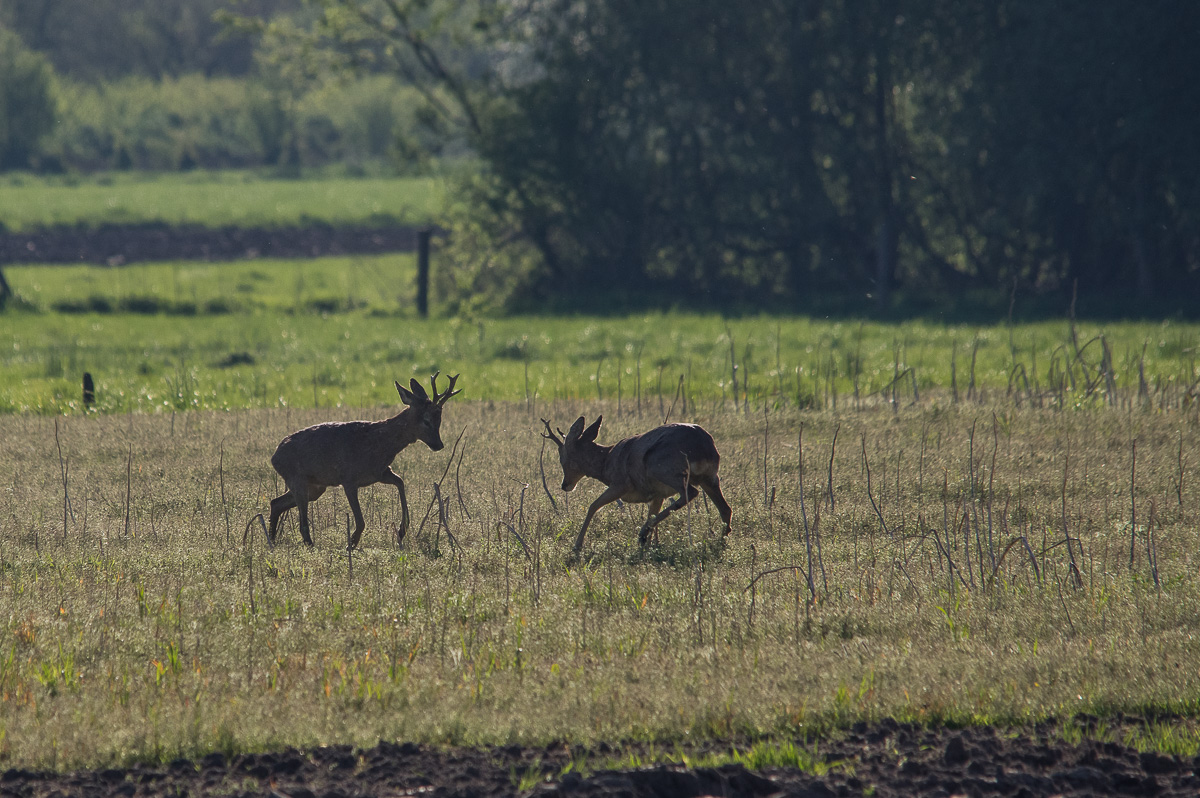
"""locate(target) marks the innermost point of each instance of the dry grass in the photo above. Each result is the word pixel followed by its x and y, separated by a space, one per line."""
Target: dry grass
pixel 139 622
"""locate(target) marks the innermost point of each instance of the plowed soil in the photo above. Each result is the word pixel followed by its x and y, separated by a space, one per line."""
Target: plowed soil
pixel 115 245
pixel 887 759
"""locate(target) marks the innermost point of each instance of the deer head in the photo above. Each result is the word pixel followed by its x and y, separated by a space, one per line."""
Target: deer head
pixel 428 423
pixel 574 449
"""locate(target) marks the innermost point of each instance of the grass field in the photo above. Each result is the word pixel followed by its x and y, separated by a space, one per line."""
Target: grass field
pixel 214 199
pixel 338 331
pixel 313 359
pixel 966 564
pixel 989 524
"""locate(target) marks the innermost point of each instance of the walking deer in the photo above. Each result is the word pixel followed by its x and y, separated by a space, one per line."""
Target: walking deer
pixel 355 454
pixel 646 468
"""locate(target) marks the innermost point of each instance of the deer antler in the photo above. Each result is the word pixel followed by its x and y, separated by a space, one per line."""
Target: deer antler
pixel 440 399
pixel 549 435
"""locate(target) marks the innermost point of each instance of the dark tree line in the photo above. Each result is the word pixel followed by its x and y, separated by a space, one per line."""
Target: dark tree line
pixel 784 147
pixel 776 150
pixel 95 40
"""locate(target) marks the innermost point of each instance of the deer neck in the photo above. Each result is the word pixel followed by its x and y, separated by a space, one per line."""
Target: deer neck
pixel 400 430
pixel 593 460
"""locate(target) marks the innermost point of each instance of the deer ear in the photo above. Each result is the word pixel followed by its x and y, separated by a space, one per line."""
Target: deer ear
pixel 575 429
pixel 418 391
pixel 590 433
pixel 405 396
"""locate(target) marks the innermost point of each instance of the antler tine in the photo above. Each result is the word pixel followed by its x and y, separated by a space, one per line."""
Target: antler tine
pixel 550 434
pixel 441 399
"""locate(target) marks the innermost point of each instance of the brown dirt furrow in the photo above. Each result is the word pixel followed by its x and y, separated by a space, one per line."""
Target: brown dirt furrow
pixel 114 245
pixel 887 759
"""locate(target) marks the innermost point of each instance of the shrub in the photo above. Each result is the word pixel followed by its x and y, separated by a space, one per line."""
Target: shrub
pixel 27 102
pixel 215 123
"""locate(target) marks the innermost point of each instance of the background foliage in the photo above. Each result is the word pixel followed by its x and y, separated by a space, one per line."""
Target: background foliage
pixel 887 149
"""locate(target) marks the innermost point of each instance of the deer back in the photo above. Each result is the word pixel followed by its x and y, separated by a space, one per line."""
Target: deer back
pixel 664 452
pixel 333 453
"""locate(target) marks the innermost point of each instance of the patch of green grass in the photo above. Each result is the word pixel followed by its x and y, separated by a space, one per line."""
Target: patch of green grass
pixel 214 199
pixel 379 284
pixel 338 331
pixel 765 754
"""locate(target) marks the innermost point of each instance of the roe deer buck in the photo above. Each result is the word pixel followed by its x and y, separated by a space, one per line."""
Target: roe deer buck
pixel 355 454
pixel 651 467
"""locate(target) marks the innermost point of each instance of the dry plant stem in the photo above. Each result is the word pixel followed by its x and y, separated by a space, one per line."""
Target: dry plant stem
pixel 458 480
pixel 224 504
pixel 991 488
pixel 678 393
pixel 248 544
pixel 128 488
pixel 832 453
pixel 733 369
pixel 64 469
pixel 870 496
pixel 516 518
pixel 1132 500
pixel 542 473
pixel 1077 578
pixel 433 501
pixel 443 519
pixel 766 455
pixel 1179 472
pixel 971 378
pixel 1152 548
pixel 954 372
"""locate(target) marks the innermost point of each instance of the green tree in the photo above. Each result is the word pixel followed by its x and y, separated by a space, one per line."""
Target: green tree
pixel 107 39
pixel 27 102
pixel 779 149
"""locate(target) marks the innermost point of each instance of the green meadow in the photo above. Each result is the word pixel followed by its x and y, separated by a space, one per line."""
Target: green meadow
pixel 214 199
pixel 337 332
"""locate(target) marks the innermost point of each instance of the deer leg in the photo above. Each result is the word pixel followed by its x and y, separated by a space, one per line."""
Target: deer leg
pixel 279 506
pixel 302 496
pixel 392 478
pixel 685 495
pixel 359 523
pixel 713 489
pixel 644 534
pixel 302 506
pixel 610 495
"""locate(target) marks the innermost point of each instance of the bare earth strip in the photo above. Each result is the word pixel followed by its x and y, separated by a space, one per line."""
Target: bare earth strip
pixel 887 759
pixel 114 245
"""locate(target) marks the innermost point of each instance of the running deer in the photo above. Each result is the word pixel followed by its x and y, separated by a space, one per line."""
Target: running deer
pixel 355 454
pixel 647 468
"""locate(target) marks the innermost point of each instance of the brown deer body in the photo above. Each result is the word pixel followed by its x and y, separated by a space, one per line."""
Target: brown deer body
pixel 647 468
pixel 355 454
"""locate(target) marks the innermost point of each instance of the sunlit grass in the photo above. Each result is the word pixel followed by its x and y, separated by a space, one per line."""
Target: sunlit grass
pixel 214 199
pixel 927 577
pixel 338 331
